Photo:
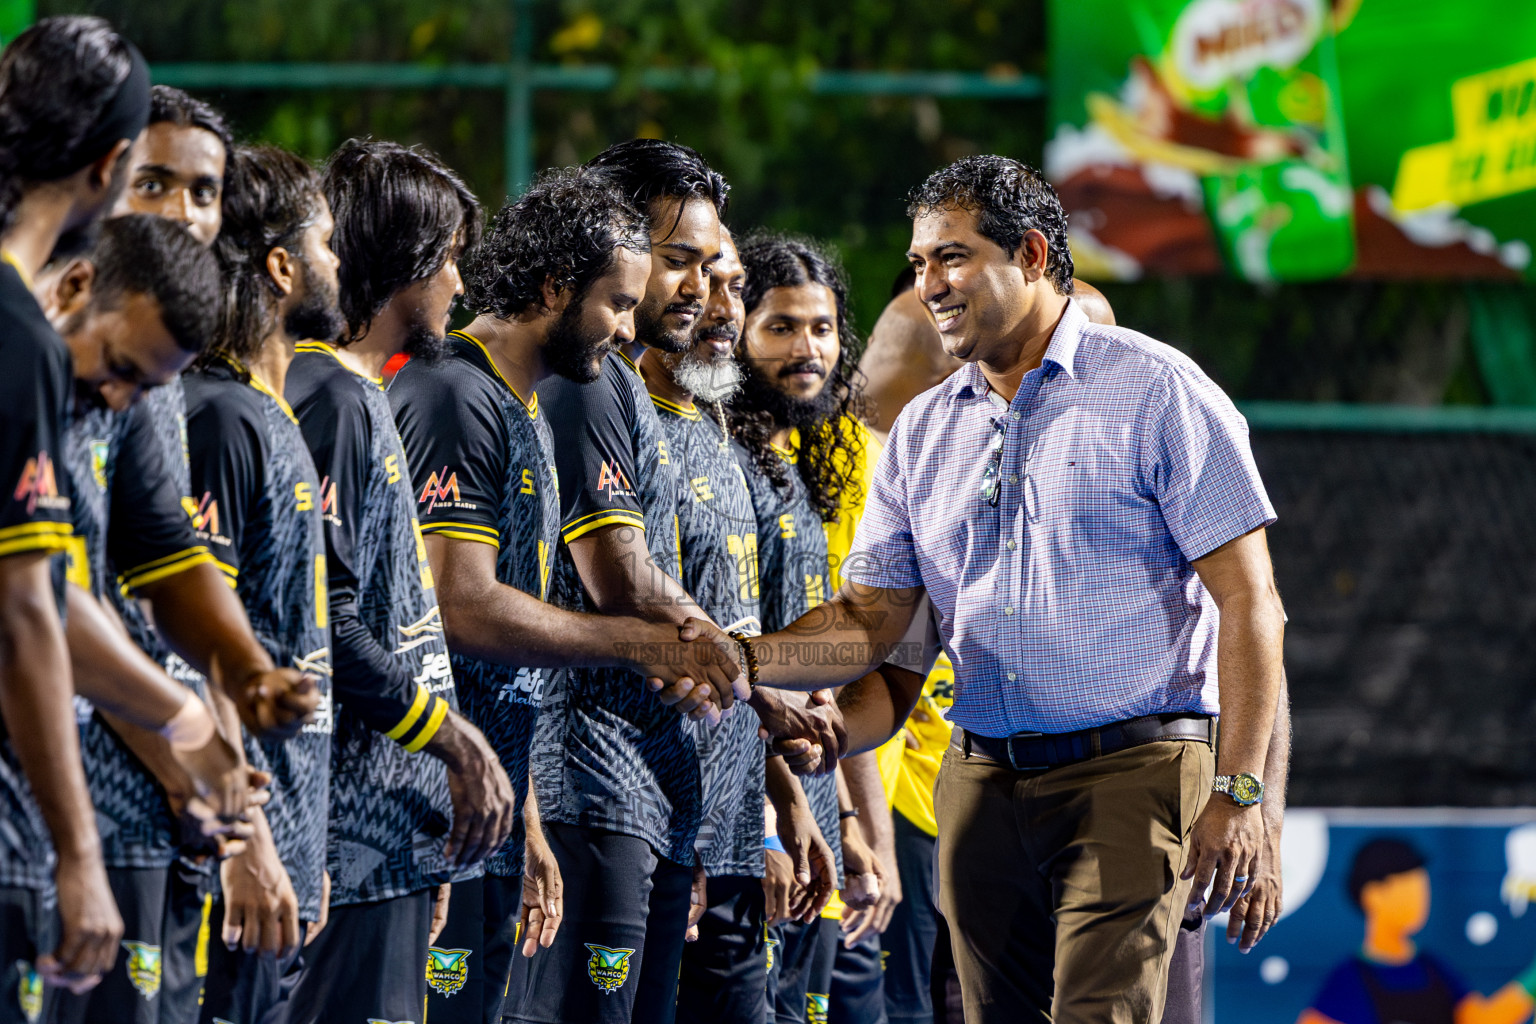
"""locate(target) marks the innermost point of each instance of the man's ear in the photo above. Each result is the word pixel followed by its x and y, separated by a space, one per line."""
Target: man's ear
pixel 100 173
pixel 282 268
pixel 71 291
pixel 1033 252
pixel 553 296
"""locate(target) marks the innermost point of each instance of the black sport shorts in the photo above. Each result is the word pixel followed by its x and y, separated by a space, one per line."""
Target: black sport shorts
pixel 724 978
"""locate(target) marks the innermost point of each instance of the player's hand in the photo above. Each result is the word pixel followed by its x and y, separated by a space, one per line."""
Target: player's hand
pixel 812 860
pixel 698 901
pixel 543 894
pixel 816 720
pixel 1257 910
pixel 878 917
pixel 277 703
pixel 862 870
pixel 483 800
pixel 261 911
pixel 89 925
pixel 727 679
pixel 440 899
pixel 1223 851
pixel 778 884
pixel 221 783
pixel 686 698
pixel 201 827
pixel 316 927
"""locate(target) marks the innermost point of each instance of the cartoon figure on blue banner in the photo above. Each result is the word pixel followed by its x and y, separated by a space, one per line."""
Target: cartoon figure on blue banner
pixel 1393 981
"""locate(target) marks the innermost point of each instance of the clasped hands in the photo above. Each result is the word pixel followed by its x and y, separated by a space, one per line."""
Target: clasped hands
pixel 697 669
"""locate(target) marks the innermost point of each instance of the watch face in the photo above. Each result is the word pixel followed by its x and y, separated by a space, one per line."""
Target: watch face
pixel 1246 789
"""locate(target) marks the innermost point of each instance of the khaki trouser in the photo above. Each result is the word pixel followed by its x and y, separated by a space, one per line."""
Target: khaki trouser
pixel 1061 887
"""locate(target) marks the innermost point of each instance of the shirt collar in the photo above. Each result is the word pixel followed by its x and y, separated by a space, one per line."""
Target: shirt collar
pixel 968 382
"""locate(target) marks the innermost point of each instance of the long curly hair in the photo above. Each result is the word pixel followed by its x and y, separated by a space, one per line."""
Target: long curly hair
pixel 568 226
pixel 831 440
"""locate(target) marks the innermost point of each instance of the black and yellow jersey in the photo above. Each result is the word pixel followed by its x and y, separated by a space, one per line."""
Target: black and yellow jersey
pixel 258 510
pixel 718 550
pixel 390 809
pixel 35 519
pixel 793 568
pixel 483 471
pixel 129 512
pixel 606 753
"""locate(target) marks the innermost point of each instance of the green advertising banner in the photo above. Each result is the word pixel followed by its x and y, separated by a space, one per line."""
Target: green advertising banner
pixel 16 16
pixel 1296 139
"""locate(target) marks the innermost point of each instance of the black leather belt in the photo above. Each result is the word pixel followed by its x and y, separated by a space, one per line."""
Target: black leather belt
pixel 1036 751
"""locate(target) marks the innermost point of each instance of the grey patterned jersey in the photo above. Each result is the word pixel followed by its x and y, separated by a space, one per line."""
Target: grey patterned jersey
pixel 139 459
pixel 483 469
pixel 606 753
pixel 259 513
pixel 390 809
pixel 719 568
pixel 792 562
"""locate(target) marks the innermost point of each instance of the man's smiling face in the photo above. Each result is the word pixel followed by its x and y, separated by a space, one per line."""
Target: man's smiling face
pixel 975 292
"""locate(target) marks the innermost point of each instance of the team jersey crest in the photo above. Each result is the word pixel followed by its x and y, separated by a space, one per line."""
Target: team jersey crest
pixel 99 462
pixel 143 967
pixel 447 969
pixel 608 968
pixel 29 992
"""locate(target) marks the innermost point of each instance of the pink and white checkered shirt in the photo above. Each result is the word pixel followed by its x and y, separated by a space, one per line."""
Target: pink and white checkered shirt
pixel 1072 603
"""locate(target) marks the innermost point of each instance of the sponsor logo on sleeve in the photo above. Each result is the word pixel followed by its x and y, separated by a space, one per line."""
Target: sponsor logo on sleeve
pixel 39 486
pixel 441 487
pixel 611 478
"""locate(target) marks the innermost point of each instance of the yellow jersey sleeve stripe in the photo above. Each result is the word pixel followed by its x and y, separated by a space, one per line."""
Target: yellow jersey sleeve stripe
pixel 439 525
pixel 35 529
pixel 429 730
pixel 47 544
pixel 417 707
pixel 145 575
pixel 459 535
pixel 582 527
pixel 229 571
pixel 167 560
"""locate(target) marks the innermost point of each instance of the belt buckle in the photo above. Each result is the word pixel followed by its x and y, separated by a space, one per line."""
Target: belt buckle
pixel 1013 759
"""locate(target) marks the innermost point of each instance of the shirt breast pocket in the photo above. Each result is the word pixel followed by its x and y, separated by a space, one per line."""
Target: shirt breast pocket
pixel 1082 492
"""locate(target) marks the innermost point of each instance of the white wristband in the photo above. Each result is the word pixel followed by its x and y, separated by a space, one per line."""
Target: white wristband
pixel 190 728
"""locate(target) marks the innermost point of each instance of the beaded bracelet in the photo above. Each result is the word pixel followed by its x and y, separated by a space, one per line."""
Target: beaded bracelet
pixel 748 658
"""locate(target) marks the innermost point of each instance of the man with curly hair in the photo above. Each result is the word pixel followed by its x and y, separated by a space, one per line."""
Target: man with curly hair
pixel 1081 505
pixel 554 286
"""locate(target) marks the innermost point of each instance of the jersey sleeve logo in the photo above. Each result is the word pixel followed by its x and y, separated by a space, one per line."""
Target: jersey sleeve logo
pixel 442 486
pixel 611 478
pixel 330 504
pixel 99 449
pixel 205 518
pixel 39 486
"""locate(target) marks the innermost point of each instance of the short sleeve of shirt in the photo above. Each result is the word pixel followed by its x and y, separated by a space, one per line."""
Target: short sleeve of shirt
pixel 456 447
pixel 35 506
pixel 226 454
pixel 1199 466
pixel 149 532
pixel 337 430
pixel 883 553
pixel 593 432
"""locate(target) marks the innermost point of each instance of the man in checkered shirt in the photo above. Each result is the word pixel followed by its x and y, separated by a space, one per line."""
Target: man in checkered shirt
pixel 1080 505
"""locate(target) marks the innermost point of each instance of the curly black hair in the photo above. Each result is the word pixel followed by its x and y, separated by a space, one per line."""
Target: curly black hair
pixel 568 226
pixel 169 105
pixel 273 198
pixel 401 214
pixel 1009 198
pixel 649 170
pixel 831 441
